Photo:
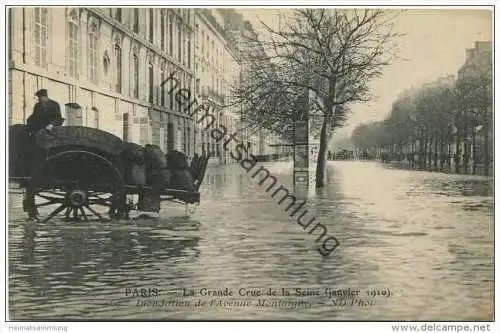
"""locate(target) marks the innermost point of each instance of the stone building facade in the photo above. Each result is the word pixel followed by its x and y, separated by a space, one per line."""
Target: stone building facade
pixel 218 68
pixel 111 61
pixel 115 64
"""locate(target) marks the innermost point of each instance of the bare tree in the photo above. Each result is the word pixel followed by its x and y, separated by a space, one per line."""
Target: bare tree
pixel 333 52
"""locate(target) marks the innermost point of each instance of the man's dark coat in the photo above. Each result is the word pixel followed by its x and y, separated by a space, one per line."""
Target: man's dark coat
pixel 44 115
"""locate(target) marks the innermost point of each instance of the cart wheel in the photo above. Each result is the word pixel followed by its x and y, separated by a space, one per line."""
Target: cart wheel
pixel 78 185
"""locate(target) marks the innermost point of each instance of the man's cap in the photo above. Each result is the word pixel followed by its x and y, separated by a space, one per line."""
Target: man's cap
pixel 41 92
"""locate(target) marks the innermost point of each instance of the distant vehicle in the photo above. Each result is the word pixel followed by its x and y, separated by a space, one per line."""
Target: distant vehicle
pixel 344 155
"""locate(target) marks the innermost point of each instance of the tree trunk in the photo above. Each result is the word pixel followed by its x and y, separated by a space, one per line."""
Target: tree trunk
pixel 486 147
pixel 426 140
pixel 473 155
pixel 323 147
pixel 436 153
pixel 421 154
pixel 456 157
pixel 442 154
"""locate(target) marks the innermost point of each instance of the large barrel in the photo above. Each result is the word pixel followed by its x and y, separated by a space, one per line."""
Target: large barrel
pixel 158 175
pixel 134 161
pixel 155 157
pixel 181 178
pixel 177 160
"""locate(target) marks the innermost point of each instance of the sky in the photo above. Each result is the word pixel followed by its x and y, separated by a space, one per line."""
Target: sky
pixel 433 46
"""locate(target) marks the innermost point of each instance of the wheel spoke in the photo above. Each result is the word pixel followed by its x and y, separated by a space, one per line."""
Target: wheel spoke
pixel 95 213
pixel 83 214
pixel 67 212
pixel 48 203
pixel 67 181
pixel 54 213
pixel 48 197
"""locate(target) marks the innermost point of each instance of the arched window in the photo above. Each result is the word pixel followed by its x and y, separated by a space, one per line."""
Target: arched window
pixel 93 58
pixel 118 73
pixel 73 47
pixel 135 76
pixel 163 27
pixel 41 36
pixel 179 41
pixel 170 36
pixel 151 24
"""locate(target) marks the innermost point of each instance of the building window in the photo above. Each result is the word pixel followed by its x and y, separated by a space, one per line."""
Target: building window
pixel 179 42
pixel 178 101
pixel 171 95
pixel 118 14
pixel 143 130
pixel 170 137
pixel 41 28
pixel 162 88
pixel 125 127
pixel 135 75
pixel 95 116
pixel 184 53
pixel 105 62
pixel 93 59
pixel 188 140
pixel 189 53
pixel 73 43
pixel 202 42
pixel 170 37
pixel 213 53
pixel 150 83
pixel 162 30
pixel 118 57
pixel 151 25
pixel 135 20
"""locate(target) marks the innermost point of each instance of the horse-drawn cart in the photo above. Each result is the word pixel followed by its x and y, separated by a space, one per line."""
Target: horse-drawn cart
pixel 84 173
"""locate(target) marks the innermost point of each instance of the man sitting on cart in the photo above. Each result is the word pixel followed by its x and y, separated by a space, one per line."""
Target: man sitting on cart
pixel 46 114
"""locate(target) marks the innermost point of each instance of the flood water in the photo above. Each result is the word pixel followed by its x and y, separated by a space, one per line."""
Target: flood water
pixel 425 237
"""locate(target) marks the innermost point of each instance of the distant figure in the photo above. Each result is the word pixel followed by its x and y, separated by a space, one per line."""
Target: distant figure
pixel 46 114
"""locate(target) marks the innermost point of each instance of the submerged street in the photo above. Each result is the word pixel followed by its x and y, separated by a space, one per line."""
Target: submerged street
pixel 426 237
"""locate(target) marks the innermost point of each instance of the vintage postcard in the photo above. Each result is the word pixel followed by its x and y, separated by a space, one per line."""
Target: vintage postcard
pixel 250 163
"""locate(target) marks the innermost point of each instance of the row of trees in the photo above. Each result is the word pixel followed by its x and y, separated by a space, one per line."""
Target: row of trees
pixel 331 53
pixel 439 124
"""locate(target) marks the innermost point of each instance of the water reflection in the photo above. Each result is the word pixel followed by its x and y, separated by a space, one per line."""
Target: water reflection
pixel 426 236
